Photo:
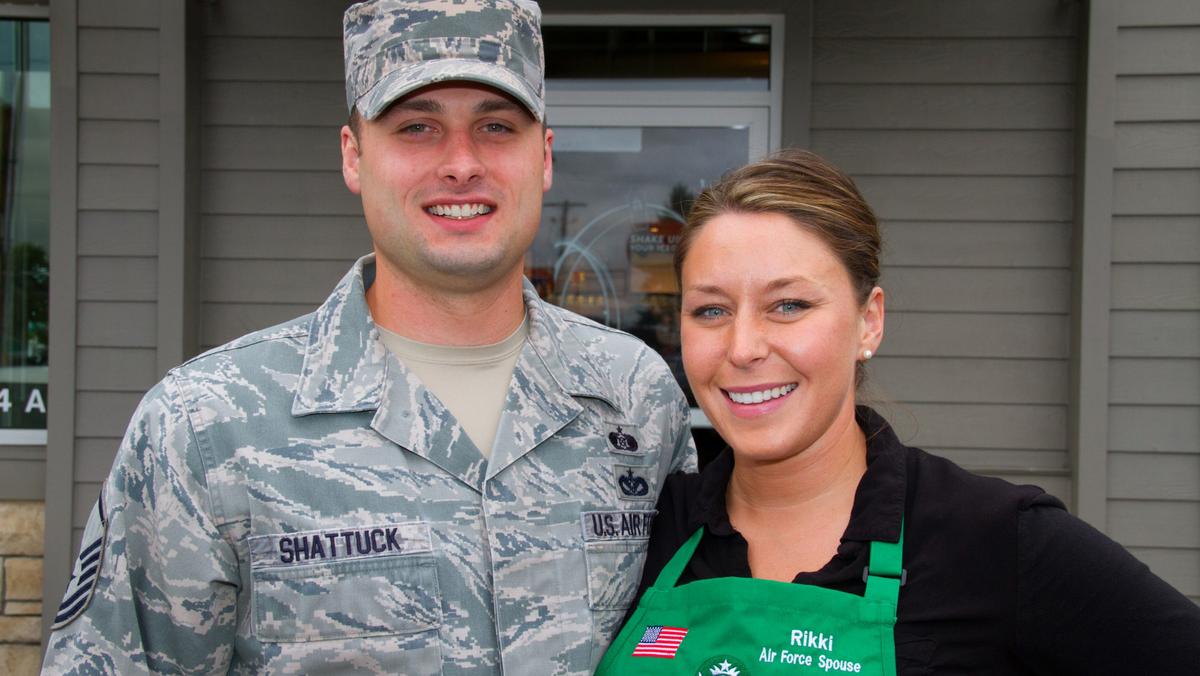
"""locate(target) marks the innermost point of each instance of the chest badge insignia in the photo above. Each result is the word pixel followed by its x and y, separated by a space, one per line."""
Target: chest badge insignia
pixel 633 485
pixel 723 665
pixel 622 441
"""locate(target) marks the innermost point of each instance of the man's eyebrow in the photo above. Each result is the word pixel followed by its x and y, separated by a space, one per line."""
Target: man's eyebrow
pixel 497 105
pixel 419 105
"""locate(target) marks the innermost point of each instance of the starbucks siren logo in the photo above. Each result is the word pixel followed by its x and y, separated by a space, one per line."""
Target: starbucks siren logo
pixel 723 665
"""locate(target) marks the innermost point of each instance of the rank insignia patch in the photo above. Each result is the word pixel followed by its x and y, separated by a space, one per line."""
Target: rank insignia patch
pixel 86 572
pixel 622 441
pixel 632 483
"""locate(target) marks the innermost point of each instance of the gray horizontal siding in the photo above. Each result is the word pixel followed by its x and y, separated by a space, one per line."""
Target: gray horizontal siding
pixel 118 142
pixel 1160 50
pixel 222 322
pixel 270 104
pixel 945 60
pixel 968 198
pixel 286 237
pixel 118 200
pixel 94 458
pixel 1142 286
pixel 274 59
pixel 977 243
pixel 118 97
pixel 278 226
pixel 270 281
pixel 119 50
pixel 1162 98
pixel 117 278
pixel 985 381
pixel 1031 290
pixel 1148 428
pixel 943 106
pixel 118 233
pixel 119 14
pixel 941 152
pixel 968 18
pixel 277 18
pixel 980 426
pixel 272 148
pixel 107 369
pixel 104 413
pixel 1156 239
pixel 1158 145
pixel 23 472
pixel 1138 333
pixel 277 192
pixel 1158 13
pixel 118 187
pixel 1154 381
pixel 1143 192
pixel 962 141
pixel 973 334
pixel 116 324
pixel 1152 523
pixel 1154 388
pixel 1154 476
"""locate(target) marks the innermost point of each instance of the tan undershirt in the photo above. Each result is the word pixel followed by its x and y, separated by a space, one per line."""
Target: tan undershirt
pixel 472 382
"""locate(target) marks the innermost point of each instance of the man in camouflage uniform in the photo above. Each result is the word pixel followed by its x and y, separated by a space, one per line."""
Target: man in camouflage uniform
pixel 299 501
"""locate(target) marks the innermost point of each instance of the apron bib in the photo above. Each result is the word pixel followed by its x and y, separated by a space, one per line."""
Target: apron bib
pixel 733 626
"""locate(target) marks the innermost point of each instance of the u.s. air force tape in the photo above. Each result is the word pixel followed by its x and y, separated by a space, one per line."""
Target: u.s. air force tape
pixel 86 572
pixel 620 525
pixel 339 544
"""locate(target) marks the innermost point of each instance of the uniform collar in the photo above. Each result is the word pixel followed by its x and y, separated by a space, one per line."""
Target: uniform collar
pixel 345 364
pixel 878 501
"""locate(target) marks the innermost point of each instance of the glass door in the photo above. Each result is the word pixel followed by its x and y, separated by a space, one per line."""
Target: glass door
pixel 623 179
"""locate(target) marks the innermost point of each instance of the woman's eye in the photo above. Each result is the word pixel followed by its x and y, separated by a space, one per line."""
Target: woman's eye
pixel 792 306
pixel 707 312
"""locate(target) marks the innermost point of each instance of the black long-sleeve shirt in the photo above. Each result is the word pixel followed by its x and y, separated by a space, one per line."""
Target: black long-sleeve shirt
pixel 1001 579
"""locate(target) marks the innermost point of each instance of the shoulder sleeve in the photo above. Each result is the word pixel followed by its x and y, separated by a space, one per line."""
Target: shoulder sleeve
pixel 677 432
pixel 683 456
pixel 1087 606
pixel 154 586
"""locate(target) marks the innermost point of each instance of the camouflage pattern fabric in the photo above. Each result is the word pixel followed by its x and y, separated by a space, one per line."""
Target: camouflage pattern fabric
pixel 296 502
pixel 393 47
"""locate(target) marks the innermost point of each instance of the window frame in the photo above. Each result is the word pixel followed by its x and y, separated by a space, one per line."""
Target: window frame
pixel 10 438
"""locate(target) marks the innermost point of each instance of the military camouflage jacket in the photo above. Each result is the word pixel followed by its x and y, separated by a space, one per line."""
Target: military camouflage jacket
pixel 296 502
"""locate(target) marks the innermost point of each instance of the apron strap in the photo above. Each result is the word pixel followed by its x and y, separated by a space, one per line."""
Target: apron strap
pixel 885 572
pixel 674 568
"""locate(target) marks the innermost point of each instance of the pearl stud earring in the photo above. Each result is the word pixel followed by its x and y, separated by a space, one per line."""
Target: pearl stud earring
pixel 867 354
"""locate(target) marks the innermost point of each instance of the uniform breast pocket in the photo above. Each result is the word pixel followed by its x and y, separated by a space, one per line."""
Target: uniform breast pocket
pixel 614 570
pixel 350 599
pixel 615 544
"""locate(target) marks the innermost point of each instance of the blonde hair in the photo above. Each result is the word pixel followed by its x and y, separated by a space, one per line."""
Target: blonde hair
pixel 809 190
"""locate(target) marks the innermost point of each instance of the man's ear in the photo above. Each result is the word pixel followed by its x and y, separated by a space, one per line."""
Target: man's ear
pixel 548 172
pixel 350 157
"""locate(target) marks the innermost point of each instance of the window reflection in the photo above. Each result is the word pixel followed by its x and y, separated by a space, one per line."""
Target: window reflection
pixel 611 222
pixel 24 235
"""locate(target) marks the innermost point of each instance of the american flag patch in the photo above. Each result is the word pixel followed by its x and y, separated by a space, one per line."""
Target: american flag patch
pixel 660 641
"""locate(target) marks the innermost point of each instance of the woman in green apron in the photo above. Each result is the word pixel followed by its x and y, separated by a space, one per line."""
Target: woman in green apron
pixel 818 543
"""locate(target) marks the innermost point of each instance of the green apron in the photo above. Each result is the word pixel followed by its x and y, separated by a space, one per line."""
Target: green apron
pixel 735 626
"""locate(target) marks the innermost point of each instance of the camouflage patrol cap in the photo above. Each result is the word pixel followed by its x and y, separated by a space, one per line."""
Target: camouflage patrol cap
pixel 393 47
